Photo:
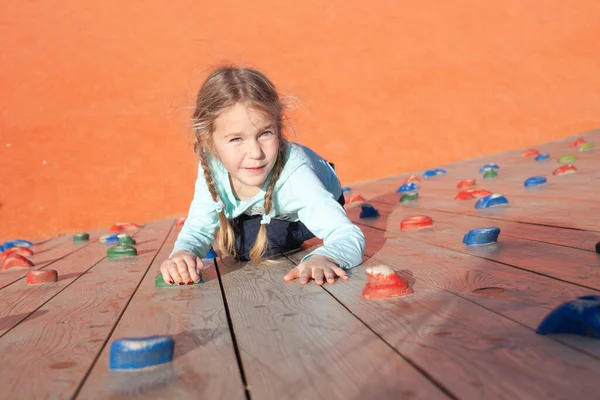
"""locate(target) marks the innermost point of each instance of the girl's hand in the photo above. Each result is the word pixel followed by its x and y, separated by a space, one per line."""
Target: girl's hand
pixel 317 267
pixel 182 268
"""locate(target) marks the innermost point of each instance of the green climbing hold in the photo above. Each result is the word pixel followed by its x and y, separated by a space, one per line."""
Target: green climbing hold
pixel 81 237
pixel 567 158
pixel 490 173
pixel 586 147
pixel 125 239
pixel 406 197
pixel 121 250
pixel 159 282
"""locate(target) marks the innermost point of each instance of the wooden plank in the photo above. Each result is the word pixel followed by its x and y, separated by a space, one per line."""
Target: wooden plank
pixel 204 364
pixel 59 342
pixel 298 342
pixel 473 352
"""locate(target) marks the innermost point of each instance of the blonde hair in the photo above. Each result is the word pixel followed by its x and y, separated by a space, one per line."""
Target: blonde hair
pixel 225 87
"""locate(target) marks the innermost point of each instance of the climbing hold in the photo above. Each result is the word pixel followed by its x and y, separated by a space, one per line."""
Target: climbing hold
pixel 346 189
pixel 407 187
pixel 481 236
pixel 368 211
pixel 567 158
pixel 81 237
pixel 565 170
pixel 406 197
pixel 415 222
pixel 412 178
pixel 125 239
pixel 490 173
pixel 434 172
pixel 493 200
pixel 530 152
pixel 472 194
pixel 16 243
pixel 464 196
pixel 355 199
pixel 578 142
pixel 159 282
pixel 16 261
pixel 121 226
pixel 24 251
pixel 542 157
pixel 41 276
pixel 489 166
pixel 121 250
pixel 466 183
pixel 586 147
pixel 535 181
pixel 577 317
pixel 211 254
pixel 384 283
pixel 179 222
pixel 139 353
pixel 1 249
pixel 109 238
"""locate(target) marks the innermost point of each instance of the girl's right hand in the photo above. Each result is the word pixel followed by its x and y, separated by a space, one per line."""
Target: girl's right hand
pixel 182 268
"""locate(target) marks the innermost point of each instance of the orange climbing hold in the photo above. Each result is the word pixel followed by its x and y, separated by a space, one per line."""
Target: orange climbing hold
pixel 416 222
pixel 355 199
pixel 24 251
pixel 530 153
pixel 16 261
pixel 180 222
pixel 384 283
pixel 412 178
pixel 472 194
pixel 466 183
pixel 41 276
pixel 578 142
pixel 122 226
pixel 565 170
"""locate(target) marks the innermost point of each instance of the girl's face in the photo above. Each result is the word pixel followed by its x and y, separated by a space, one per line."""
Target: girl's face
pixel 247 143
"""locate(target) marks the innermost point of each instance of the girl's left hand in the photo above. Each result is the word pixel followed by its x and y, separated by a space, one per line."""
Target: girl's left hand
pixel 317 267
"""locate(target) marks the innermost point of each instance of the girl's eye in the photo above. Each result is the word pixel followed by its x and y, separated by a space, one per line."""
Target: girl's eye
pixel 267 132
pixel 234 140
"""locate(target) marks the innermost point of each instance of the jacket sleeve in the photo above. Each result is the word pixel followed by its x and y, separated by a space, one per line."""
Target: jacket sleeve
pixel 200 228
pixel 325 218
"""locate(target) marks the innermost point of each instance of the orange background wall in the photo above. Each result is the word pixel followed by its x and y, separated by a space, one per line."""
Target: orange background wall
pixel 95 98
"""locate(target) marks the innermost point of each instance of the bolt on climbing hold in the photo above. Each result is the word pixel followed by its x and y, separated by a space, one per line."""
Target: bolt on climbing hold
pixel 542 157
pixel 489 166
pixel 346 189
pixel 565 170
pixel 407 187
pixel 472 194
pixel 530 152
pixel 577 317
pixel 535 181
pixel 180 222
pixel 368 211
pixel 493 200
pixel 16 261
pixel 41 277
pixel 211 254
pixel 81 237
pixel 384 283
pixel 416 222
pixel 406 197
pixel 481 236
pixel 430 173
pixel 114 238
pixel 490 173
pixel 586 147
pixel 412 178
pixel 121 250
pixel 578 142
pixel 125 239
pixel 121 226
pixel 24 251
pixel 16 243
pixel 566 159
pixel 466 183
pixel 140 353
pixel 355 199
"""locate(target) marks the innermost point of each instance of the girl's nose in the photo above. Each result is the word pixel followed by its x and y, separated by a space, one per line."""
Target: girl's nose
pixel 254 150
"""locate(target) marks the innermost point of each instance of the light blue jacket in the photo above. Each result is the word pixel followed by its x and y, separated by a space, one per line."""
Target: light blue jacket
pixel 307 190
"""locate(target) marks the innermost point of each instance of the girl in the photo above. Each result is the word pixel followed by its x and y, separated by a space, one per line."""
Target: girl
pixel 264 194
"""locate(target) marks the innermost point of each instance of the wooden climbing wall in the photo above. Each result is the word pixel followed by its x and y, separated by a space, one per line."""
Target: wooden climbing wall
pixel 467 332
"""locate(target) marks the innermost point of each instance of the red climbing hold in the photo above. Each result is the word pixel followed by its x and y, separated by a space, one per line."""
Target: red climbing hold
pixel 530 153
pixel 565 170
pixel 24 251
pixel 180 222
pixel 467 183
pixel 416 222
pixel 464 196
pixel 355 199
pixel 121 226
pixel 16 261
pixel 412 178
pixel 578 142
pixel 42 276
pixel 472 194
pixel 384 283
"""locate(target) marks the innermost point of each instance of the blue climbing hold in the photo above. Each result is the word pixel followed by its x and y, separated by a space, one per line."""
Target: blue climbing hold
pixel 542 157
pixel 138 353
pixel 481 236
pixel 535 181
pixel 368 211
pixel 489 166
pixel 112 238
pixel 408 187
pixel 346 189
pixel 1 249
pixel 434 172
pixel 211 254
pixel 16 243
pixel 493 200
pixel 578 317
